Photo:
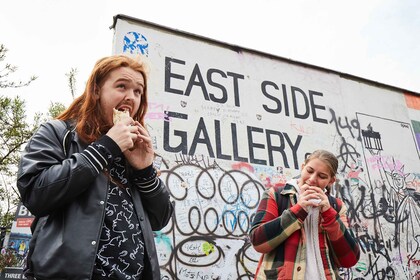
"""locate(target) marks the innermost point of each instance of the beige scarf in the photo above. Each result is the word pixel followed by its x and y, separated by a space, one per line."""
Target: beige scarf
pixel 313 253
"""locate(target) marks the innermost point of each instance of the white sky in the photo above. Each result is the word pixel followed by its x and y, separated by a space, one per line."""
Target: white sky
pixel 376 39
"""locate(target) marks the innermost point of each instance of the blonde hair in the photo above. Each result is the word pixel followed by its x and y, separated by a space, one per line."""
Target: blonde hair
pixel 327 157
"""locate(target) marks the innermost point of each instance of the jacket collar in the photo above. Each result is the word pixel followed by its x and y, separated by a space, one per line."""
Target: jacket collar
pixel 291 187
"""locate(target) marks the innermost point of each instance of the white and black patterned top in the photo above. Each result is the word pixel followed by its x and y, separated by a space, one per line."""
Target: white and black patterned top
pixel 121 247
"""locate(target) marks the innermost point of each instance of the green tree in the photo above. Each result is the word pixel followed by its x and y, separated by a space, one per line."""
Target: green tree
pixel 71 76
pixel 55 109
pixel 9 69
pixel 15 131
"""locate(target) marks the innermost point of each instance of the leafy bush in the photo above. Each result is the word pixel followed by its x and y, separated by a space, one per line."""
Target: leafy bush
pixel 7 259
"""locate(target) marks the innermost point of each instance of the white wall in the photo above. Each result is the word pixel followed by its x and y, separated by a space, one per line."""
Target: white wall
pixel 226 128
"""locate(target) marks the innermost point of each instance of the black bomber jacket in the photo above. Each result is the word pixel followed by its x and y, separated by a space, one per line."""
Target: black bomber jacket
pixel 67 194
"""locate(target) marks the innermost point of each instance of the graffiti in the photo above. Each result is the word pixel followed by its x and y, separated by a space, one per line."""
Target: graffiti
pixel 229 125
pixel 347 151
pixel 211 221
pixel 382 198
pixel 136 43
pixel 384 162
pixel 156 111
pixel 371 139
pixel 378 272
pixel 215 203
pixel 340 123
pixel 348 154
pixel 301 129
pixel 214 208
pixel 196 160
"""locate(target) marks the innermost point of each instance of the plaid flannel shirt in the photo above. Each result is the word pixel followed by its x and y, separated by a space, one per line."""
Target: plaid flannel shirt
pixel 280 237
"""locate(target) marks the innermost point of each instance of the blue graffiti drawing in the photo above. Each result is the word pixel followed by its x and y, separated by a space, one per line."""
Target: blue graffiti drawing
pixel 136 43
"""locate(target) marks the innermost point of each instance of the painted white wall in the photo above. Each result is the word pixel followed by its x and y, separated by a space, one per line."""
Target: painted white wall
pixel 216 184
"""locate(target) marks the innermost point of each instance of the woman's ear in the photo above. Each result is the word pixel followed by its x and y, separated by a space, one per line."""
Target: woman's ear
pixel 332 180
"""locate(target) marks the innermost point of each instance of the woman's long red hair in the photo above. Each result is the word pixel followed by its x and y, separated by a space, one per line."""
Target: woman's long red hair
pixel 85 110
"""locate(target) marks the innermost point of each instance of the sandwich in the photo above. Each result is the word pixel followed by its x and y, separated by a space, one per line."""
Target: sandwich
pixel 119 115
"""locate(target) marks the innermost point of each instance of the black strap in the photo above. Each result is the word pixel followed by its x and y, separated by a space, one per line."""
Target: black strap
pixel 333 202
pixel 283 201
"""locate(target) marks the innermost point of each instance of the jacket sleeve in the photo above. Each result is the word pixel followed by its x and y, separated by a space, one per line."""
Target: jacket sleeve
pixel 154 196
pixel 344 246
pixel 269 228
pixel 47 178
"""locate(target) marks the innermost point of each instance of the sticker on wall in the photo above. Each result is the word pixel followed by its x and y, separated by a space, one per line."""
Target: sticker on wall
pixel 136 43
pixel 416 128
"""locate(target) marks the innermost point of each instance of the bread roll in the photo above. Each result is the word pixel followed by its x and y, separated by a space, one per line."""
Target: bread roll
pixel 119 115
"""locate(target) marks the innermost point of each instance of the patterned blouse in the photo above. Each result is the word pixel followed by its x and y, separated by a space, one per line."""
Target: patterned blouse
pixel 121 246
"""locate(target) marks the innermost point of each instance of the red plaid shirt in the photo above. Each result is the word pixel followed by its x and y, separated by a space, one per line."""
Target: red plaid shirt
pixel 280 237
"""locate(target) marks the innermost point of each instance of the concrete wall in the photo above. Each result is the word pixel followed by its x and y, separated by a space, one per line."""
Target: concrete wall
pixel 229 122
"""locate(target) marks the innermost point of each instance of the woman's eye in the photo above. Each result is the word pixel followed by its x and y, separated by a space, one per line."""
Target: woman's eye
pixel 121 86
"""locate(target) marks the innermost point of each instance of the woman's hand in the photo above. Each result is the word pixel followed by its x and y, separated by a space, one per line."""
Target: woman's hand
pixel 312 196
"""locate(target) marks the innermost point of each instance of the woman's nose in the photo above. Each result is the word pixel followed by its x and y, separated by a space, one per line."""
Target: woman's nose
pixel 312 179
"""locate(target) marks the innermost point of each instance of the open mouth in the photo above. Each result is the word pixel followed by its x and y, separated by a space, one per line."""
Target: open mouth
pixel 124 109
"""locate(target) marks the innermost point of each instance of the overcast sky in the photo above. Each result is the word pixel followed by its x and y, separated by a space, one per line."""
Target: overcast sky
pixel 377 39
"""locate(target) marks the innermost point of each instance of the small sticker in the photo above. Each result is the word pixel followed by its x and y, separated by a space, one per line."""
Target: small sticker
pixel 136 43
